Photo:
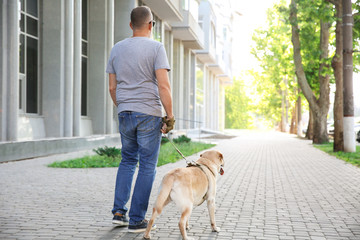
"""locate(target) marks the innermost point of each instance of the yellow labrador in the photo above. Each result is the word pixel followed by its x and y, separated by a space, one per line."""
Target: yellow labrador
pixel 189 187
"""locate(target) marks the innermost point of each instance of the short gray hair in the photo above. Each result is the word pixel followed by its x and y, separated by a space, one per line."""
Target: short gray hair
pixel 139 16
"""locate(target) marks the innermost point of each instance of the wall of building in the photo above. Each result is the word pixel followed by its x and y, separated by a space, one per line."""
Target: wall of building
pixel 60 117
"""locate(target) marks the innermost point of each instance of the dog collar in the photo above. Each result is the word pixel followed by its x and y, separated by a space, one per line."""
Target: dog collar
pixel 199 166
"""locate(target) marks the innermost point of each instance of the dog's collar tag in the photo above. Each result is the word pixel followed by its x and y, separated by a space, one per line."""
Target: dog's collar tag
pixel 221 171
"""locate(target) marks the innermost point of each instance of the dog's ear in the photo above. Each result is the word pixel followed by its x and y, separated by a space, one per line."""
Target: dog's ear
pixel 221 158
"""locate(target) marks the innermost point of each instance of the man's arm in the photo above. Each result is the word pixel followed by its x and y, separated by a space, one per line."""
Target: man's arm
pixel 165 91
pixel 112 87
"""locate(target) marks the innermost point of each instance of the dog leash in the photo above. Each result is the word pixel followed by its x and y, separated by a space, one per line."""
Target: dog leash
pixel 189 163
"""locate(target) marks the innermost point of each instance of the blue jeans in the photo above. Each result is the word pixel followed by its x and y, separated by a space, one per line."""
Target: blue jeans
pixel 140 139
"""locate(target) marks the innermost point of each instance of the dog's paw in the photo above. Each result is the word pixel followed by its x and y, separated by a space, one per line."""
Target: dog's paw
pixel 216 229
pixel 147 237
pixel 187 228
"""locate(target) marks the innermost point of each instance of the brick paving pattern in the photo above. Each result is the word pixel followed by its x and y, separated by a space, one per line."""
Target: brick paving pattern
pixel 275 186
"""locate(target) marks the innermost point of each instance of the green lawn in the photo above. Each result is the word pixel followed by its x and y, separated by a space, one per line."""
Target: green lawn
pixel 167 155
pixel 353 158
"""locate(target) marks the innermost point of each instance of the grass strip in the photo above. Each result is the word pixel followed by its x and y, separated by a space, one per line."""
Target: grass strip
pixel 353 158
pixel 167 155
pixel 95 161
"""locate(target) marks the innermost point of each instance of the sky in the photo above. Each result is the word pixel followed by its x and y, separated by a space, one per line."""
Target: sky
pixel 253 16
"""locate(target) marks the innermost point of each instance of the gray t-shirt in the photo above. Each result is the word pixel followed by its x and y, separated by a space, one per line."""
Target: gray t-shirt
pixel 134 61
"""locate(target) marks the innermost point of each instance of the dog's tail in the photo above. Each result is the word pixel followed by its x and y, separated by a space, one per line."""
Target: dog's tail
pixel 164 195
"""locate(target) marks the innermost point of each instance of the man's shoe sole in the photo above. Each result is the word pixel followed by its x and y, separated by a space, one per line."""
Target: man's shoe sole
pixel 139 230
pixel 120 223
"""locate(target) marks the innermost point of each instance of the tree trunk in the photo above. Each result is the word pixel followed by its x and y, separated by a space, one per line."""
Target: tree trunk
pixel 293 121
pixel 320 106
pixel 320 133
pixel 349 139
pixel 337 65
pixel 299 116
pixel 320 128
pixel 283 122
pixel 286 102
pixel 310 128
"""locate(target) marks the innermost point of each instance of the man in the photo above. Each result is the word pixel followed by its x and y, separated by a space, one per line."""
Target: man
pixel 138 81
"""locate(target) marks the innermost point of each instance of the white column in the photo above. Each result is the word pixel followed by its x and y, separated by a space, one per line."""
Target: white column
pixel 180 89
pixel 207 97
pixel 109 45
pixel 53 70
pixel 98 91
pixel 123 9
pixel 77 69
pixel 9 70
pixel 69 70
pixel 178 76
pixel 217 103
pixel 186 88
pixel 193 90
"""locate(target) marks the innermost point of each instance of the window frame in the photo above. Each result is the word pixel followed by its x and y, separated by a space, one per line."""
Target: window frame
pixel 22 79
pixel 157 29
pixel 87 62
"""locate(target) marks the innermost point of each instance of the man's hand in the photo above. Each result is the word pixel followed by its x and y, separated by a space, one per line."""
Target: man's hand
pixel 112 87
pixel 168 124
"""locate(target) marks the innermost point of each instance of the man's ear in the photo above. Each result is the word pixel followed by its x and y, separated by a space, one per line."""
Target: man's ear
pixel 131 26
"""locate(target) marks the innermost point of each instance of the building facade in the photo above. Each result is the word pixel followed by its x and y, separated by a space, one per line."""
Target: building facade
pixel 53 86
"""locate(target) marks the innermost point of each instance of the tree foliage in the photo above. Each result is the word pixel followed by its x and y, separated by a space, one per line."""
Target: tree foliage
pixel 237 106
pixel 275 81
pixel 356 35
pixel 301 12
pixel 275 78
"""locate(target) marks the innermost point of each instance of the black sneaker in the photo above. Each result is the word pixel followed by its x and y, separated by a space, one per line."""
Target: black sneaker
pixel 140 227
pixel 120 219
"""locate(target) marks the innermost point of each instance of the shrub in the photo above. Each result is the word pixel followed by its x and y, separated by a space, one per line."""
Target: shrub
pixel 182 139
pixel 111 152
pixel 164 140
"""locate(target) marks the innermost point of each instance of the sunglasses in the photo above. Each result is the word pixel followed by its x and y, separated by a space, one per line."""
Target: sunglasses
pixel 152 22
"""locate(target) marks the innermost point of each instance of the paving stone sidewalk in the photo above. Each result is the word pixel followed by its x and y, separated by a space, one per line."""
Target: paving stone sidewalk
pixel 275 186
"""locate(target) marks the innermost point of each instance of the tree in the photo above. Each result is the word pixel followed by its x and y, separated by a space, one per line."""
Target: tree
pixel 318 105
pixel 337 65
pixel 356 35
pixel 274 83
pixel 349 139
pixel 237 106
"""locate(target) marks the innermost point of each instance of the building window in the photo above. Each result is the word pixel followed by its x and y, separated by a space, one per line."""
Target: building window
pixel 199 111
pixel 84 56
pixel 213 35
pixel 29 56
pixel 185 5
pixel 201 21
pixel 157 30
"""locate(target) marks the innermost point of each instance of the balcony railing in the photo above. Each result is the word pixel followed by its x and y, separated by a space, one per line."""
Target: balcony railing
pixel 189 31
pixel 166 10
